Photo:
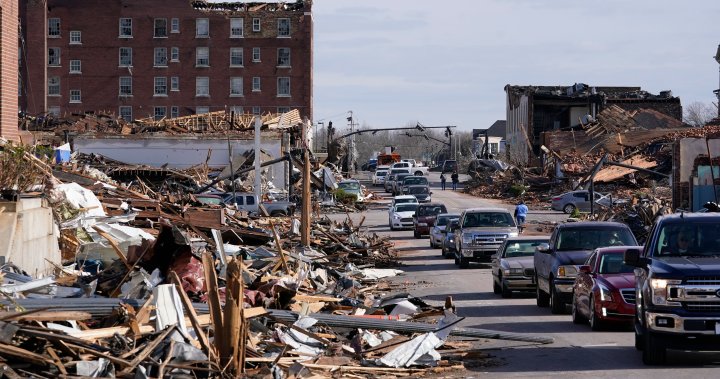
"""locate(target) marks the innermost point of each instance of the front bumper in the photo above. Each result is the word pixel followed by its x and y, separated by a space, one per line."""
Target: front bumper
pixel 478 255
pixel 519 283
pixel 564 289
pixel 422 229
pixel 675 324
pixel 615 311
pixel 398 224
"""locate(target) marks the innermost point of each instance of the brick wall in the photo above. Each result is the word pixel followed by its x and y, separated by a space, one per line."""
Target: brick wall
pixel 9 70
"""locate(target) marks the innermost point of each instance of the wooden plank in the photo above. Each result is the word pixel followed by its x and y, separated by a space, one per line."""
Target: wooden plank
pixel 192 315
pixel 283 260
pixel 24 355
pixel 115 247
pixel 213 299
pixel 43 316
pixel 147 351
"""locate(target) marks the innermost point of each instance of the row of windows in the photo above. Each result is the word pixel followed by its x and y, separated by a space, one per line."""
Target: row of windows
pixel 161 28
pixel 159 112
pixel 160 86
pixel 160 57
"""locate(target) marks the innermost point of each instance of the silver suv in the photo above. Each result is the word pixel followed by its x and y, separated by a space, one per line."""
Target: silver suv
pixel 481 231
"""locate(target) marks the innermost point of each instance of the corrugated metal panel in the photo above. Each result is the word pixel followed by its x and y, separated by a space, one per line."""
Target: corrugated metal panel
pixel 32 238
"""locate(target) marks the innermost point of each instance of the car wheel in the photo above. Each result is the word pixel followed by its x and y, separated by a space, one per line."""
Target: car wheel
pixel 392 227
pixel 504 290
pixel 568 208
pixel 556 306
pixel 595 323
pixel 577 318
pixel 496 287
pixel 639 343
pixel 541 298
pixel 464 263
pixel 654 351
pixel 416 234
pixel 457 261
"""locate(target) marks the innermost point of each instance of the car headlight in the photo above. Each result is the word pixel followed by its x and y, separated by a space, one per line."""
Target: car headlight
pixel 451 240
pixel 396 217
pixel 467 238
pixel 513 234
pixel 567 271
pixel 659 288
pixel 513 271
pixel 605 293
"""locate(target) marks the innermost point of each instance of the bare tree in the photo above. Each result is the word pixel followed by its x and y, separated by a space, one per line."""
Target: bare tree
pixel 698 114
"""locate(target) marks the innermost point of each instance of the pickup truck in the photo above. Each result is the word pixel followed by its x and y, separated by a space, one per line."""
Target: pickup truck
pixel 677 284
pixel 480 233
pixel 248 202
pixel 557 262
pixel 414 168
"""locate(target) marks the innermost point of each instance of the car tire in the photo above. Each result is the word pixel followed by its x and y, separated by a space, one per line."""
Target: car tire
pixel 595 323
pixel 639 342
pixel 568 208
pixel 577 318
pixel 392 227
pixel 457 261
pixel 464 263
pixel 541 298
pixel 556 306
pixel 416 234
pixel 654 350
pixel 505 292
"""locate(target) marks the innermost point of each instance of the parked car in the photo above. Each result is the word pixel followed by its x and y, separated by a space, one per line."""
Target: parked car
pixel 397 184
pixel 437 232
pixel 249 203
pixel 389 179
pixel 379 177
pixel 580 200
pixel 209 199
pixel 604 290
pixel 352 186
pixel 425 217
pixel 401 216
pixel 512 266
pixel 449 165
pixel 448 244
pixel 422 193
pixel 557 262
pixel 413 181
pixel 404 199
pixel 482 231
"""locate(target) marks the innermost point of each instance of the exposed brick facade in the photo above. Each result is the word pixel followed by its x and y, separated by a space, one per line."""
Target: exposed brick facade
pixel 9 70
pixel 97 46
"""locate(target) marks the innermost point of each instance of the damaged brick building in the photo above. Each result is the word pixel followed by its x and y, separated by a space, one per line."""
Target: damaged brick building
pixel 173 58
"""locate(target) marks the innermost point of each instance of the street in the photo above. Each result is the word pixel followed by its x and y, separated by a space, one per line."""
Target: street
pixel 576 352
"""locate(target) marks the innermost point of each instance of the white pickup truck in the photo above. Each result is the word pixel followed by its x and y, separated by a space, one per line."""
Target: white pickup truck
pixel 415 168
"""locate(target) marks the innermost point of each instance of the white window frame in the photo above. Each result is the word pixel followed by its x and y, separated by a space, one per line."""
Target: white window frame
pixel 281 84
pixel 174 54
pixel 199 28
pixel 159 112
pixel 125 31
pixel 174 83
pixel 53 28
pixel 160 87
pixel 202 86
pixel 256 84
pixel 174 111
pixel 202 56
pixel 280 52
pixel 256 24
pixel 202 109
pixel 75 66
pixel 158 54
pixel 281 110
pixel 256 54
pixel 256 111
pixel 54 110
pixel 158 27
pixel 122 112
pixel 53 88
pixel 282 31
pixel 128 84
pixel 56 62
pixel 236 28
pixel 237 109
pixel 236 86
pixel 175 25
pixel 75 37
pixel 129 50
pixel 237 53
pixel 75 96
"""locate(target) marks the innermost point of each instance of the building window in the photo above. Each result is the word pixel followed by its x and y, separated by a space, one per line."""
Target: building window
pixel 256 54
pixel 283 57
pixel 126 113
pixel 202 86
pixel 175 25
pixel 54 56
pixel 236 57
pixel 202 57
pixel 126 86
pixel 237 110
pixel 202 110
pixel 283 27
pixel 125 27
pixel 125 57
pixel 283 109
pixel 283 89
pixel 54 86
pixel 159 113
pixel 75 96
pixel 202 28
pixel 174 111
pixel 55 111
pixel 160 86
pixel 54 27
pixel 256 110
pixel 256 84
pixel 160 57
pixel 236 87
pixel 236 28
pixel 174 83
pixel 75 66
pixel 256 24
pixel 75 37
pixel 160 28
pixel 174 54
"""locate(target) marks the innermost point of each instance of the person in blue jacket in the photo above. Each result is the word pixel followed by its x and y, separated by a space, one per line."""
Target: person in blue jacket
pixel 521 211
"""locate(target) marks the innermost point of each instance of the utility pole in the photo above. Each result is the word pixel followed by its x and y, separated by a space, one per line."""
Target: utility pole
pixel 258 160
pixel 351 161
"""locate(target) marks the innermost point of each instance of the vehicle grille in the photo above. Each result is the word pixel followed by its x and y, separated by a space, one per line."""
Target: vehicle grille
pixel 529 272
pixel 406 219
pixel 628 295
pixel 490 239
pixel 697 306
pixel 704 280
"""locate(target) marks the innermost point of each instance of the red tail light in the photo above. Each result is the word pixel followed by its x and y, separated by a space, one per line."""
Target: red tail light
pixel 557 198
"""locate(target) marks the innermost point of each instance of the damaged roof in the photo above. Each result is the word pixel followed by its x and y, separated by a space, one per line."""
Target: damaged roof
pixel 582 90
pixel 252 6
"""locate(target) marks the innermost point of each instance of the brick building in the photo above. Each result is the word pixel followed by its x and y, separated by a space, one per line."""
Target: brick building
pixel 9 70
pixel 139 58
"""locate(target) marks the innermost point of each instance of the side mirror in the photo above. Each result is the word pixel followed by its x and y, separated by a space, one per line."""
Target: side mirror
pixel 585 269
pixel 632 258
pixel 543 248
pixel 431 192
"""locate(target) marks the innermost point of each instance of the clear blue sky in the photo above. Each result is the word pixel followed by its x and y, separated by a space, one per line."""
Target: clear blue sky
pixel 395 62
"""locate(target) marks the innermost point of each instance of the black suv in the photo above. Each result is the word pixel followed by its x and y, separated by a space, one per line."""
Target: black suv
pixel 677 285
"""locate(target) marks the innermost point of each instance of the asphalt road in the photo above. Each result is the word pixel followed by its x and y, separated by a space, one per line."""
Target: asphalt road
pixel 576 352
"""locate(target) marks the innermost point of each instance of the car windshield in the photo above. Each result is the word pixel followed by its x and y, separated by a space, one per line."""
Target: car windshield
pixel 209 200
pixel 444 220
pixel 432 210
pixel 406 208
pixel 590 239
pixel 414 181
pixel 349 186
pixel 418 190
pixel 401 177
pixel 404 201
pixel 613 264
pixel 521 248
pixel 488 219
pixel 381 173
pixel 689 238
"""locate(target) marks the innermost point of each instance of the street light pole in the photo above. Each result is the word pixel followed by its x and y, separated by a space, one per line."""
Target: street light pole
pixel 351 161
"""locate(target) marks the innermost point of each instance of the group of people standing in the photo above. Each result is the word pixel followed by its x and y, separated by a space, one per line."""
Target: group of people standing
pixel 454 177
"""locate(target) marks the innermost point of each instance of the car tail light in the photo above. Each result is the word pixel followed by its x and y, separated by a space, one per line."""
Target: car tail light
pixel 556 198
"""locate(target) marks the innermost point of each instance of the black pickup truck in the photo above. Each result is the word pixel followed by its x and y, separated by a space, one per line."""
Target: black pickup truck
pixel 677 284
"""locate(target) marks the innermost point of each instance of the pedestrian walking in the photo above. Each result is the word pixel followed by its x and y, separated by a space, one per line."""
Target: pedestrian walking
pixel 521 211
pixel 455 179
pixel 442 181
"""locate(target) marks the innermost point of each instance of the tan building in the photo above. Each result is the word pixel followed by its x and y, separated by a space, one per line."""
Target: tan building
pixel 9 70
